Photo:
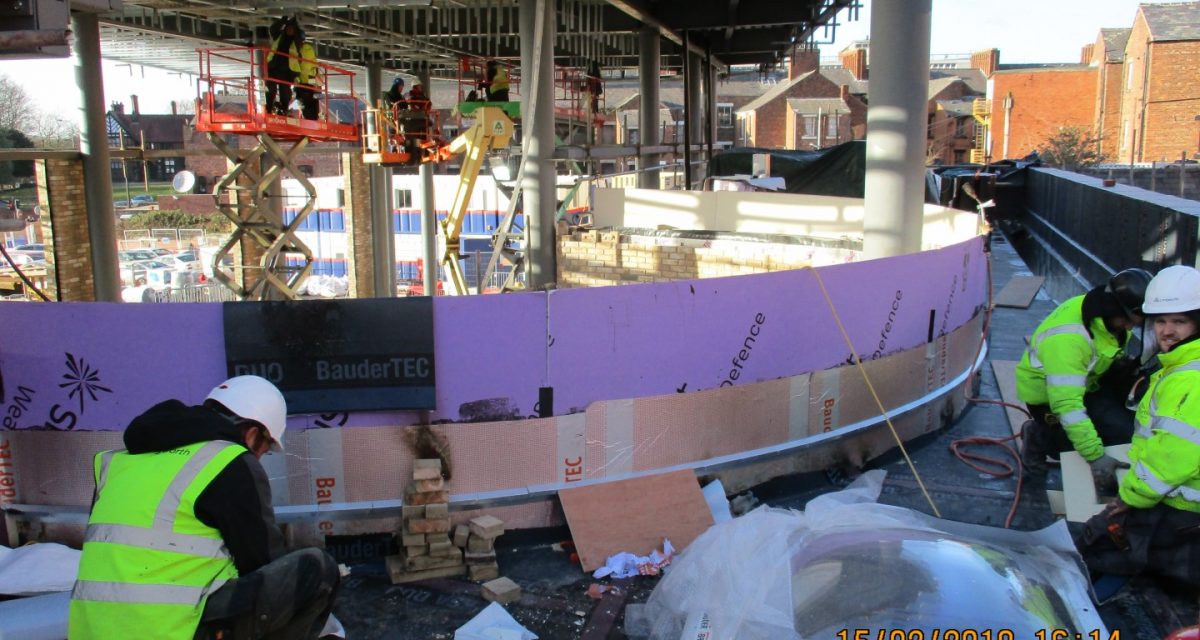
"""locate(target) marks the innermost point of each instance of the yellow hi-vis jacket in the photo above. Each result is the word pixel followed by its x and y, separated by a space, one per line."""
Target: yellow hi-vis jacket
pixel 1063 363
pixel 303 61
pixel 148 562
pixel 1165 452
pixel 500 80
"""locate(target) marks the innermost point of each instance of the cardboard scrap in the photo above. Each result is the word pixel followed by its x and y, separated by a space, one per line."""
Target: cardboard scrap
pixel 635 515
pixel 1006 379
pixel 1078 488
pixel 1019 292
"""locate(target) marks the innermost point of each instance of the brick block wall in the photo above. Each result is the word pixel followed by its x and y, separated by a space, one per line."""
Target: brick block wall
pixel 64 224
pixel 1133 93
pixel 1108 110
pixel 1171 126
pixel 357 209
pixel 770 120
pixel 598 258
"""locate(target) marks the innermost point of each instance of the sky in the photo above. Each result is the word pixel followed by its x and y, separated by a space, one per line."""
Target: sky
pixel 1023 30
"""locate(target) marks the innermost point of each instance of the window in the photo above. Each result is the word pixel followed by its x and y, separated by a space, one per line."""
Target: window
pixel 725 115
pixel 402 199
pixel 960 127
pixel 306 169
pixel 810 126
pixel 831 127
pixel 960 156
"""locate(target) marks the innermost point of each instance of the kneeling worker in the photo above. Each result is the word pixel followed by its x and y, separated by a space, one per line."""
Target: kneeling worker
pixel 181 541
pixel 1154 525
pixel 1059 377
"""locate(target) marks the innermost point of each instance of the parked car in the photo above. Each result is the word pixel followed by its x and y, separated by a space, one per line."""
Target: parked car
pixel 31 247
pixel 143 200
pixel 136 255
pixel 181 261
pixel 121 204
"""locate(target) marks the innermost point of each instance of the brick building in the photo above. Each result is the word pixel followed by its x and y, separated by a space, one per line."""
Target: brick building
pixel 155 131
pixel 1160 102
pixel 801 111
pixel 1134 90
pixel 1031 103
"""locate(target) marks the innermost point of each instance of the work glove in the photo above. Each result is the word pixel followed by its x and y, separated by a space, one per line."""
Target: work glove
pixel 1104 473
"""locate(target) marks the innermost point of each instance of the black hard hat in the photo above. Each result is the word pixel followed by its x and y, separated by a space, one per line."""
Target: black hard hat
pixel 1128 287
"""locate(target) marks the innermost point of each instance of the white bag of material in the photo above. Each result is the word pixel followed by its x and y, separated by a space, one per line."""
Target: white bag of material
pixel 714 495
pixel 38 618
pixel 35 569
pixel 493 623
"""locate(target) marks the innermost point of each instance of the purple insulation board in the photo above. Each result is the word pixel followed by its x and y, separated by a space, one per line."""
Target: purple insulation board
pixel 89 366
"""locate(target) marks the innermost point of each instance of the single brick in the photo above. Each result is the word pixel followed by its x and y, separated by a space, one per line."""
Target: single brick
pixel 483 571
pixel 420 563
pixel 435 484
pixel 439 510
pixel 416 550
pixel 412 512
pixel 441 549
pixel 461 533
pixel 434 538
pixel 502 590
pixel 412 497
pixel 439 525
pixel 480 558
pixel 412 539
pixel 475 544
pixel 487 527
pixel 427 469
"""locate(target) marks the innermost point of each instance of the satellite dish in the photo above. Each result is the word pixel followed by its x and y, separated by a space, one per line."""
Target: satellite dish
pixel 183 182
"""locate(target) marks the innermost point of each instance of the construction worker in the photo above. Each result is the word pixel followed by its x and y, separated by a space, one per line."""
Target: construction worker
pixel 419 107
pixel 394 98
pixel 181 537
pixel 1059 377
pixel 279 72
pixel 1154 524
pixel 495 82
pixel 307 77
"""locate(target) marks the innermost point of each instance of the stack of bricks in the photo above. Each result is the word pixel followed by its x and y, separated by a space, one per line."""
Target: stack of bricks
pixel 426 549
pixel 478 539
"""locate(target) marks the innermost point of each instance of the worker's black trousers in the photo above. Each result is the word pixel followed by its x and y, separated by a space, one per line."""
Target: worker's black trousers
pixel 1113 422
pixel 1161 541
pixel 289 598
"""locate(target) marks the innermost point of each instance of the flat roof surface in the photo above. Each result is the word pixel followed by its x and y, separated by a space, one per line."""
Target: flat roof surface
pixel 554 604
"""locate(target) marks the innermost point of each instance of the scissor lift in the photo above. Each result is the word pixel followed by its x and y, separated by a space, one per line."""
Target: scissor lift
pixel 232 85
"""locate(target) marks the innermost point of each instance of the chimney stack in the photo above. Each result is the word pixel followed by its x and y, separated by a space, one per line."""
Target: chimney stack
pixel 133 100
pixel 987 61
pixel 803 60
pixel 174 108
pixel 844 93
pixel 854 60
pixel 117 107
pixel 1085 56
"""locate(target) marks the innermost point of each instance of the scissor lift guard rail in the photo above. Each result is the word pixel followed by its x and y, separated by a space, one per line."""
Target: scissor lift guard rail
pixel 232 103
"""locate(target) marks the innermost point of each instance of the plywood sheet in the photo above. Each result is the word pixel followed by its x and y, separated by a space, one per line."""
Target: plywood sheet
pixel 1078 488
pixel 1019 292
pixel 635 515
pixel 1006 379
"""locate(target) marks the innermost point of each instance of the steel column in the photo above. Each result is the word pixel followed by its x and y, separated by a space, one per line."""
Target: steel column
pixel 896 123
pixel 97 174
pixel 537 27
pixel 383 249
pixel 648 69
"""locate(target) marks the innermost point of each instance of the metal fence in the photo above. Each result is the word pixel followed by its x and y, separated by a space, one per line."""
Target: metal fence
pixel 201 293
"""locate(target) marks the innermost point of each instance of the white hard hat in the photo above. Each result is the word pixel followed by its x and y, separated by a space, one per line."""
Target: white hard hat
pixel 1175 289
pixel 254 398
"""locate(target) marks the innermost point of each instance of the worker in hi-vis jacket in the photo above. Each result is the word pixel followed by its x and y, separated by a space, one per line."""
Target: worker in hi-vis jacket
pixel 181 542
pixel 1154 524
pixel 1067 378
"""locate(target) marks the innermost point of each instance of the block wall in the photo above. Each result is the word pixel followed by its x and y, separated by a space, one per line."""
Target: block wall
pixel 357 207
pixel 61 195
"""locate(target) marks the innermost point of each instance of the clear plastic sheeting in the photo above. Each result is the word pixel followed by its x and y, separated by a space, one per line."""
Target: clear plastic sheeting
pixel 849 563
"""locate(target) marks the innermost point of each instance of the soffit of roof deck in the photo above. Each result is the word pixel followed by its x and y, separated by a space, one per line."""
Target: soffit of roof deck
pixel 407 35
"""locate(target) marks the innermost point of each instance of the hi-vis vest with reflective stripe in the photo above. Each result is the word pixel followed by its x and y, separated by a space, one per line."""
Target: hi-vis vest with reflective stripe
pixel 1165 470
pixel 148 562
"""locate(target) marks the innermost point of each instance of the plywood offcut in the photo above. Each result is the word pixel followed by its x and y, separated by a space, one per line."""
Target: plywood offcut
pixel 635 515
pixel 1019 292
pixel 1006 379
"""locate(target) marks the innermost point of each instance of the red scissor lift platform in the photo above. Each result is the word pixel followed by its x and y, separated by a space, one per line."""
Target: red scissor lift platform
pixel 232 91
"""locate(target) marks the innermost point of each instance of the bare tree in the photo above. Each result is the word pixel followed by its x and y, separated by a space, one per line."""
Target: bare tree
pixel 16 107
pixel 186 106
pixel 53 132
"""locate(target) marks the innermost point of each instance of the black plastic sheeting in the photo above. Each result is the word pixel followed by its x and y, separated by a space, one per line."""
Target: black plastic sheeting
pixel 836 171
